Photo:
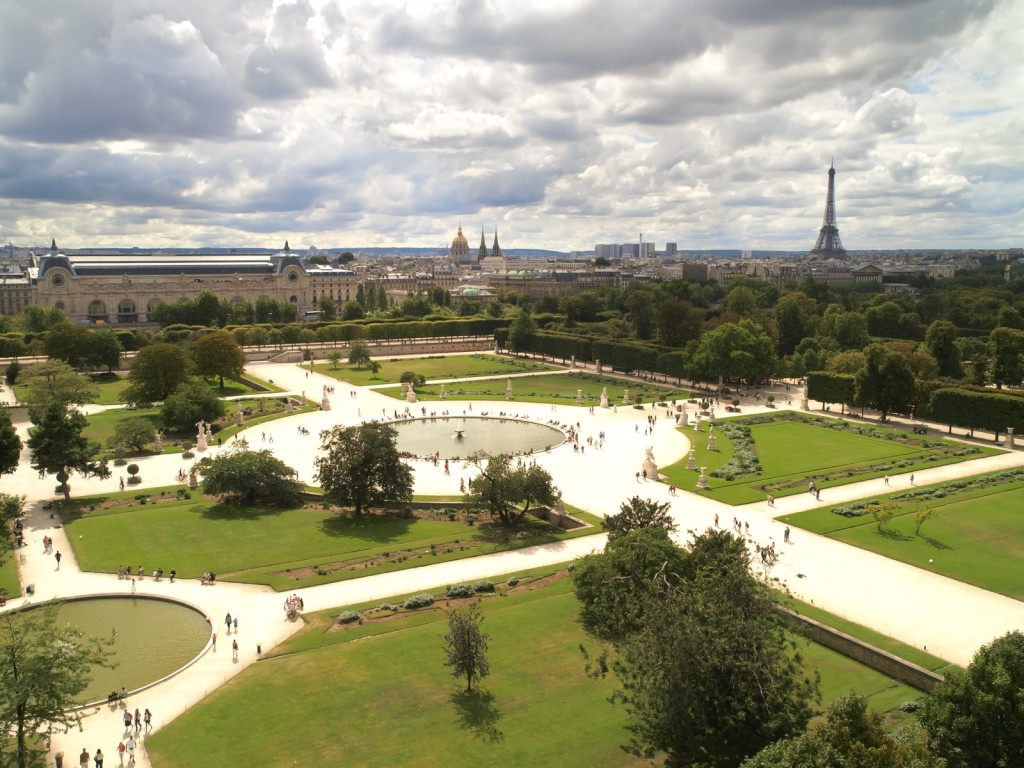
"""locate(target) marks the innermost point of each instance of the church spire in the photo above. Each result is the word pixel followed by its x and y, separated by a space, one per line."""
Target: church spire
pixel 496 249
pixel 482 253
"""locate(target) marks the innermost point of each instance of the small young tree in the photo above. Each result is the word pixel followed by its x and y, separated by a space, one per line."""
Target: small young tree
pixel 133 434
pixel 465 645
pixel 501 488
pixel 133 474
pixel 921 515
pixel 883 513
pixel 333 357
pixel 374 368
pixel 359 354
pixel 639 513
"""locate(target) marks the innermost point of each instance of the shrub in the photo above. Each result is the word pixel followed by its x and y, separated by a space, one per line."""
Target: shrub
pixel 460 590
pixel 347 617
pixel 483 586
pixel 512 582
pixel 418 601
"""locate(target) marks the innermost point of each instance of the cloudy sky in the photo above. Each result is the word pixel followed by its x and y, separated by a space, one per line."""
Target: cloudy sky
pixel 563 123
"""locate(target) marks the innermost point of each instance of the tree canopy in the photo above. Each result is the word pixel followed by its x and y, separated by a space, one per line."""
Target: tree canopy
pixel 639 513
pixel 189 403
pixel 466 645
pixel 54 381
pixel 507 490
pixel 359 354
pixel 156 371
pixel 133 434
pixel 241 475
pixel 10 444
pixel 58 445
pixel 360 466
pixel 218 354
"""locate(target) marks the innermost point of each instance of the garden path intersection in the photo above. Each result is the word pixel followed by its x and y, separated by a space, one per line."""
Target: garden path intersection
pixel 921 608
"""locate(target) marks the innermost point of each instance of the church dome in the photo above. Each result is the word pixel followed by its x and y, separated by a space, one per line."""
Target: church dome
pixel 460 247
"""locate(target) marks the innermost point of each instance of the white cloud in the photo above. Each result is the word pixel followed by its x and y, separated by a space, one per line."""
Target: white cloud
pixel 705 122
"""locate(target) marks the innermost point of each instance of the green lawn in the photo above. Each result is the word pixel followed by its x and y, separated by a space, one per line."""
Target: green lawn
pixel 976 536
pixel 794 449
pixel 378 694
pixel 110 387
pixel 558 389
pixel 453 367
pixel 284 548
pixel 9 584
pixel 102 425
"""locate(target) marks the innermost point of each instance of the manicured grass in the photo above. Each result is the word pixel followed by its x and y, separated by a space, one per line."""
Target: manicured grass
pixel 9 584
pixel 453 367
pixel 102 425
pixel 379 694
pixel 794 449
pixel 558 389
pixel 976 537
pixel 110 387
pixel 284 548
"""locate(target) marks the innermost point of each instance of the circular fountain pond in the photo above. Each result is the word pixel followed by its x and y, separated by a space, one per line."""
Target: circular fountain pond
pixel 154 638
pixel 460 436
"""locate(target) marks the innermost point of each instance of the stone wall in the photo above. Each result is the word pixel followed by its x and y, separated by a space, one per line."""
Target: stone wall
pixel 879 660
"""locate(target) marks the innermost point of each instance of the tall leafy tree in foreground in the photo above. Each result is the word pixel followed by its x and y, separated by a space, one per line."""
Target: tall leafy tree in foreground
pixel 58 446
pixel 10 444
pixel 852 736
pixel 44 666
pixel 710 675
pixel 976 717
pixel 639 513
pixel 886 382
pixel 465 645
pixel 360 466
pixel 508 491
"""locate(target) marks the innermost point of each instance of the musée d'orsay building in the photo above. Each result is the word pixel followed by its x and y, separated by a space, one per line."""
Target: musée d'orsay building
pixel 124 288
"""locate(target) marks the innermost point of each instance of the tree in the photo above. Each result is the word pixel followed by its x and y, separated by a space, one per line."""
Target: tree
pixel 133 434
pixel 374 368
pixel 734 350
pixel 465 645
pixel 1006 350
pixel 54 381
pixel 796 315
pixel 921 516
pixel 218 354
pixel 360 466
pixel 639 513
pixel 678 321
pixel 711 676
pixel 886 382
pixel 333 357
pixel 940 341
pixel 68 342
pixel 241 475
pixel 44 666
pixel 521 331
pixel 382 297
pixel 58 446
pixel 501 488
pixel 883 514
pixel 156 371
pixel 612 586
pixel 976 717
pixel 851 736
pixel 11 508
pixel 353 310
pixel 189 404
pixel 326 307
pixel 105 349
pixel 359 354
pixel 10 444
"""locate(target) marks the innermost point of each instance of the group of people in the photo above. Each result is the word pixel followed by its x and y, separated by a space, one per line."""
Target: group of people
pixel 292 606
pixel 125 572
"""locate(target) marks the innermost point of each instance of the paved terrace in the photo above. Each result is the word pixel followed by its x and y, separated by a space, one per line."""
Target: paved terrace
pixel 950 618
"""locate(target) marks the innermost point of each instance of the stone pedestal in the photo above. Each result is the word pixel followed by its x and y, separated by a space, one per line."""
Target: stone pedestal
pixel 696 422
pixel 650 466
pixel 239 416
pixel 597 366
pixel 684 418
pixel 692 461
pixel 508 389
pixel 579 397
pixel 193 481
pixel 604 397
pixel 804 404
pixel 158 445
pixel 410 395
pixel 289 405
pixel 201 444
pixel 444 393
pixel 702 481
pixel 572 362
pixel 625 396
pixel 1009 438
pixel 712 444
pixel 325 404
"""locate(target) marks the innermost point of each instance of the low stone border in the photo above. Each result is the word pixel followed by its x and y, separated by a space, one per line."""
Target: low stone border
pixel 858 650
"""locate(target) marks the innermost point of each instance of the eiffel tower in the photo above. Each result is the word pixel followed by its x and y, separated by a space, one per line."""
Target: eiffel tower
pixel 829 246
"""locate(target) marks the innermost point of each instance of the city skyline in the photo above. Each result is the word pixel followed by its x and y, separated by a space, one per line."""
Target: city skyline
pixel 711 124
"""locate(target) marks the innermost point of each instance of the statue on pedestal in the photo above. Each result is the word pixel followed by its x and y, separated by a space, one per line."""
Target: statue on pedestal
pixel 158 446
pixel 650 467
pixel 702 481
pixel 604 397
pixel 625 396
pixel 410 395
pixel 712 443
pixel 444 393
pixel 508 389
pixel 692 462
pixel 696 422
pixel 579 397
pixel 239 416
pixel 325 404
pixel 201 443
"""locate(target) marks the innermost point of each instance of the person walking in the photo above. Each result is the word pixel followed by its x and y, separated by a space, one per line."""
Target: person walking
pixel 234 650
pixel 138 720
pixel 147 718
pixel 127 720
pixel 785 535
pixel 227 622
pixel 121 748
pixel 83 759
pixel 98 758
pixel 56 557
pixel 234 624
pixel 131 750
pixel 215 641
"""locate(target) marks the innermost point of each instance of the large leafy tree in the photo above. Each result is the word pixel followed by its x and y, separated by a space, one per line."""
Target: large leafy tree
pixel 613 586
pixel 218 354
pixel 360 466
pixel 886 381
pixel 639 513
pixel 976 717
pixel 54 381
pixel 796 315
pixel 133 434
pixel 10 444
pixel 156 371
pixel 851 736
pixel 735 350
pixel 1006 351
pixel 44 666
pixel 712 675
pixel 58 445
pixel 242 475
pixel 188 404
pixel 68 342
pixel 678 321
pixel 465 645
pixel 521 331
pixel 507 490
pixel 105 348
pixel 940 341
pixel 11 508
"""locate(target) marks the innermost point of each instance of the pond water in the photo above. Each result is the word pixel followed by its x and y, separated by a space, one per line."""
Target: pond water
pixel 460 436
pixel 154 638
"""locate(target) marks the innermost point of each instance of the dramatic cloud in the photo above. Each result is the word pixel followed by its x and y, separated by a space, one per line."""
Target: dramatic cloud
pixel 710 123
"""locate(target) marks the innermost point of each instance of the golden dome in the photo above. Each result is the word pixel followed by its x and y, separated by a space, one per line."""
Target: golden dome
pixel 460 240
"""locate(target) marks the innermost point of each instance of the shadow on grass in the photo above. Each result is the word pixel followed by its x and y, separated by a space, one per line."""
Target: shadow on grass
pixel 895 535
pixel 227 511
pixel 476 713
pixel 935 543
pixel 378 528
